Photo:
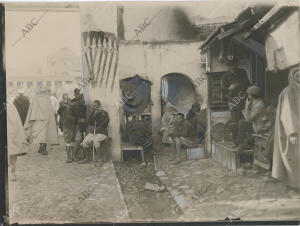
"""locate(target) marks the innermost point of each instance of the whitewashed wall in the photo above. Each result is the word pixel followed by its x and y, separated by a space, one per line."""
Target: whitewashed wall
pixel 282 44
pixel 95 17
pixel 153 60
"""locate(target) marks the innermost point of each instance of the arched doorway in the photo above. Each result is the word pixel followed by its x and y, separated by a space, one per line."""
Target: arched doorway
pixel 178 91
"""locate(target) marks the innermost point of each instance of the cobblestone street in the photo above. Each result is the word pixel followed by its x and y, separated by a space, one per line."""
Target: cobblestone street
pixel 205 190
pixel 50 190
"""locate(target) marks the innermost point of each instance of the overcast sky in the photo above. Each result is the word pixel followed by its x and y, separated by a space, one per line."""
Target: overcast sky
pixel 56 30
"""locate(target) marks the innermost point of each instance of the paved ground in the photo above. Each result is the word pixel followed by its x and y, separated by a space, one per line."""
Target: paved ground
pixel 143 204
pixel 205 190
pixel 49 190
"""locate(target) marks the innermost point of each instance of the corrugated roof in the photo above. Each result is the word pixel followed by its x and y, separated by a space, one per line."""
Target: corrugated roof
pixel 274 16
pixel 261 14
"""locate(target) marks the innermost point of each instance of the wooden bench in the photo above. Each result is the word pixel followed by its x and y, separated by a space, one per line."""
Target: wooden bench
pixel 131 147
pixel 228 156
pixel 260 146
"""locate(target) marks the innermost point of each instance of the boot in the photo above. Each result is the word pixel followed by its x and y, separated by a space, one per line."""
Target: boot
pixel 87 158
pixel 40 150
pixel 69 155
pixel 90 155
pixel 43 147
pixel 73 154
pixel 98 160
pixel 97 155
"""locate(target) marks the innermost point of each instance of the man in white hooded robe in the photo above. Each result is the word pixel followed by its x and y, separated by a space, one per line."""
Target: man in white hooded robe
pixel 286 157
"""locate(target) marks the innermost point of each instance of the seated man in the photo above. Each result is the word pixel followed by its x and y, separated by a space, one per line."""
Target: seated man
pixel 183 134
pixel 138 132
pixel 167 122
pixel 96 132
pixel 148 142
pixel 198 119
pixel 254 113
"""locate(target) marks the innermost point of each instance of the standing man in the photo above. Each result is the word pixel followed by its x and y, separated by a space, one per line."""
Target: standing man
pixel 40 126
pixel 22 104
pixel 183 135
pixel 96 132
pixel 63 107
pixel 234 86
pixel 286 156
pixel 78 111
pixel 54 103
pixel 69 128
pixel 15 139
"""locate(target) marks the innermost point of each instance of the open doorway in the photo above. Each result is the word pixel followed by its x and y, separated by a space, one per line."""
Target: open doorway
pixel 178 95
pixel 177 91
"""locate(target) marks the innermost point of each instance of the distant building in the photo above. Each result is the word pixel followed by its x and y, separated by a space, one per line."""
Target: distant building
pixel 63 75
pixel 64 63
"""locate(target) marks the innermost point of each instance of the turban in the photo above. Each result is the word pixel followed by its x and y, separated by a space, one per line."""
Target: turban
pixel 254 91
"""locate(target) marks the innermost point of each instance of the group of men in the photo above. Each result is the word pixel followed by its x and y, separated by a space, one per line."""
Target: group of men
pixel 250 116
pixel 80 131
pixel 30 121
pixel 181 131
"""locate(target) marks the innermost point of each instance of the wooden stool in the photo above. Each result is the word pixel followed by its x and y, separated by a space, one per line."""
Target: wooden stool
pixel 131 147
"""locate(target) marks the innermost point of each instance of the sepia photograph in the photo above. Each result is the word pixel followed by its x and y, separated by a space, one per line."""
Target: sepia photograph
pixel 166 111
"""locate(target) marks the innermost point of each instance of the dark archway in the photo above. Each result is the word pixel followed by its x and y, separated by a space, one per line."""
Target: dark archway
pixel 178 91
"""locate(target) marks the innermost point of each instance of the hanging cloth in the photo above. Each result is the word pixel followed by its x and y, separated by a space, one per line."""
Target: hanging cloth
pixel 135 94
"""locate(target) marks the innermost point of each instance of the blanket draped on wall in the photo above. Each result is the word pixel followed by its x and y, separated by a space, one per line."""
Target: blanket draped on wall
pixel 135 93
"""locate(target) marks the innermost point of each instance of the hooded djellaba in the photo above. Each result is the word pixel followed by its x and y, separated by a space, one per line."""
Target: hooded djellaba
pixel 40 125
pixel 286 156
pixel 15 139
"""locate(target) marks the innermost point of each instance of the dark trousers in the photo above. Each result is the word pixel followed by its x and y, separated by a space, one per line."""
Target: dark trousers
pixel 236 114
pixel 241 130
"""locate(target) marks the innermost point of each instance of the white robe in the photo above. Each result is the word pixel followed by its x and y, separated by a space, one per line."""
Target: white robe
pixel 40 123
pixel 286 156
pixel 15 132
